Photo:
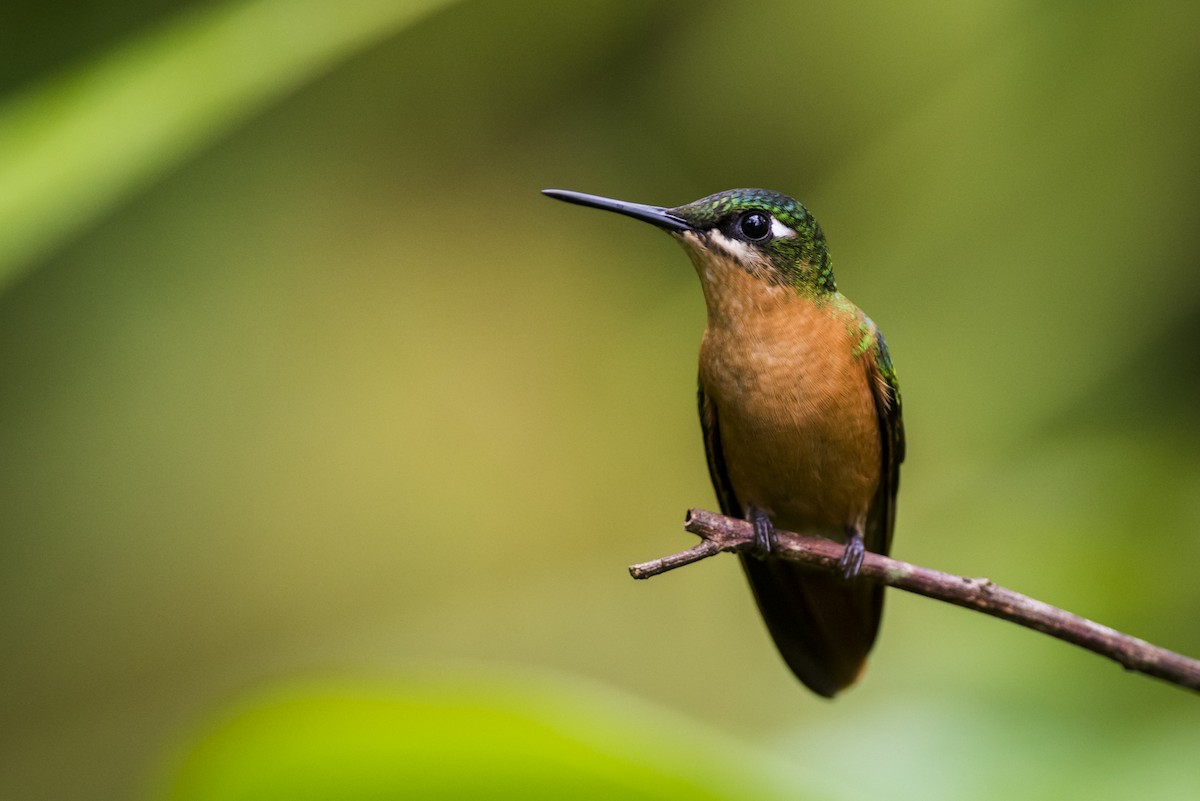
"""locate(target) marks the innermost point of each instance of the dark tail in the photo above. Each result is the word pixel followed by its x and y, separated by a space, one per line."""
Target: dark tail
pixel 822 624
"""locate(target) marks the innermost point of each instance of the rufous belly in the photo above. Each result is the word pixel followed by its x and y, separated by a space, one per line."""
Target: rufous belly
pixel 797 420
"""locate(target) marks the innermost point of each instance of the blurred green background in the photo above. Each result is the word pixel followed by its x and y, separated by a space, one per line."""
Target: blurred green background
pixel 326 440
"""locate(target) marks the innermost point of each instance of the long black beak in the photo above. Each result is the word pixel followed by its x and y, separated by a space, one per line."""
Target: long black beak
pixel 655 215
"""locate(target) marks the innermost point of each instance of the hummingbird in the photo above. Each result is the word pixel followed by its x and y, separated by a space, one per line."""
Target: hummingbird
pixel 800 411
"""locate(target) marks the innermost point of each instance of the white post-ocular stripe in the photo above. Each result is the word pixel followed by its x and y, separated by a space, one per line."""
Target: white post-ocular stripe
pixel 736 248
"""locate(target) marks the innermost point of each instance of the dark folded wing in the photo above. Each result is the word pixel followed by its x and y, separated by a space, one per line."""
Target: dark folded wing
pixel 886 391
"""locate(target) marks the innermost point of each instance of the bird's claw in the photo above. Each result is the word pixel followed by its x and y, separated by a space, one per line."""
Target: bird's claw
pixel 764 533
pixel 852 556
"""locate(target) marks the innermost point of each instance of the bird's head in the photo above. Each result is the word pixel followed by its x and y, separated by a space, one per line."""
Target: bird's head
pixel 767 234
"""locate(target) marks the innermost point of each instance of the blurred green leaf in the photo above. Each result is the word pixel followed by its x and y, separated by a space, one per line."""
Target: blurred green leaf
pixel 73 147
pixel 475 739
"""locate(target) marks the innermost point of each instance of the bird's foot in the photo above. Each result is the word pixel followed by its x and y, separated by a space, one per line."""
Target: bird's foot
pixel 852 556
pixel 764 532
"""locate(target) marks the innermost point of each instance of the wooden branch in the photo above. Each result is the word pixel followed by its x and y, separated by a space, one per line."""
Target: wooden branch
pixel 719 533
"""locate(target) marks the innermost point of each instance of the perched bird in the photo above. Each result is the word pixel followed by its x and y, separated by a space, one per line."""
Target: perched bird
pixel 800 410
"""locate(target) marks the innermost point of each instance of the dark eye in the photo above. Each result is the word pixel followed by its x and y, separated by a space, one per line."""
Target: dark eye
pixel 754 226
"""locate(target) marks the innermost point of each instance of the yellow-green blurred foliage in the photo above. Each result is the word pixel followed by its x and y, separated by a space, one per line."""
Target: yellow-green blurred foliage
pixel 306 393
